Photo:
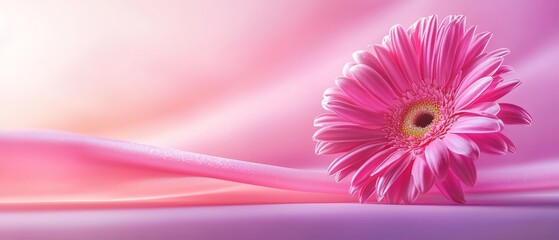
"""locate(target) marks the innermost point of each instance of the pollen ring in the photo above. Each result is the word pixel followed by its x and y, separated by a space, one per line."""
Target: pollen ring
pixel 419 118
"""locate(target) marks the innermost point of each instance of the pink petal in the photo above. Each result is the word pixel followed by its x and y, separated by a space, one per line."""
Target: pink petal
pixel 448 37
pixel 335 95
pixel 386 163
pixel 423 178
pixel 386 180
pixel 499 91
pixel 369 59
pixel 494 143
pixel 365 171
pixel 395 75
pixel 367 189
pixel 408 191
pixel 412 192
pixel 416 30
pixel 348 133
pixel 393 194
pixel 462 51
pixel 501 52
pixel 356 114
pixel 471 93
pixel 405 52
pixel 504 69
pixel 482 108
pixel 374 83
pixel 327 119
pixel 464 168
pixel 335 147
pixel 485 57
pixel 478 45
pixel 345 70
pixel 480 70
pixel 343 174
pixel 403 189
pixel 359 154
pixel 333 92
pixel 365 57
pixel 510 145
pixel 461 145
pixel 436 155
pixel 451 188
pixel 360 95
pixel 428 48
pixel 513 114
pixel 476 124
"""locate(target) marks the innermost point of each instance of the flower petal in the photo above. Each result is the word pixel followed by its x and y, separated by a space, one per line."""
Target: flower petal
pixel 461 52
pixel 461 145
pixel 406 186
pixel 499 91
pixel 451 188
pixel 464 168
pixel 359 154
pixel 504 69
pixel 494 143
pixel 478 45
pixel 355 113
pixel 416 30
pixel 343 173
pixel 333 92
pixel 359 94
pixel 513 114
pixel 423 178
pixel 327 119
pixel 386 163
pixel 364 172
pixel 367 189
pixel 482 108
pixel 436 155
pixel 346 68
pixel 471 93
pixel 480 70
pixel 405 53
pixel 395 75
pixel 392 173
pixel 428 47
pixel 335 147
pixel 409 192
pixel 369 59
pixel 394 193
pixel 510 145
pixel 374 83
pixel 348 133
pixel 449 36
pixel 476 124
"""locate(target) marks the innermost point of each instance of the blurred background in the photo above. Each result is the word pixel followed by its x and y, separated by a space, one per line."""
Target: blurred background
pixel 238 79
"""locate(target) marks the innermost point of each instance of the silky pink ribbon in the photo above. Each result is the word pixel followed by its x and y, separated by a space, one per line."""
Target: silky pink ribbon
pixel 52 169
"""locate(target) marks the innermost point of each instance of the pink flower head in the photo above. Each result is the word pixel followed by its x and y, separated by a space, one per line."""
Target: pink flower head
pixel 417 110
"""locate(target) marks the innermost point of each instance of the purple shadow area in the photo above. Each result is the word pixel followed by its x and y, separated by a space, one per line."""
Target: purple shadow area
pixel 288 221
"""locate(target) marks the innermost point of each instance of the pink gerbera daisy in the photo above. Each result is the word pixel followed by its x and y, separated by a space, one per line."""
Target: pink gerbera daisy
pixel 417 110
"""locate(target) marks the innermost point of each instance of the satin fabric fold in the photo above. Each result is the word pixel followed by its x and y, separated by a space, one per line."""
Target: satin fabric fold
pixel 57 169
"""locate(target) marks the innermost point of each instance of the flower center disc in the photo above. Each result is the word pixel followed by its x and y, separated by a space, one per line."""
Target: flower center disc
pixel 423 120
pixel 419 118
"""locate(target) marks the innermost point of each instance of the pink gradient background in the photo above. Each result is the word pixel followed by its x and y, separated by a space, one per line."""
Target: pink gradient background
pixel 240 80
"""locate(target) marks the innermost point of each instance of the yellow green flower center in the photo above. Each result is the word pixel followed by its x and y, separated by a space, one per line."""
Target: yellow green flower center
pixel 419 118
